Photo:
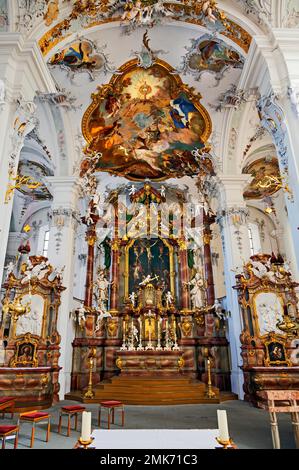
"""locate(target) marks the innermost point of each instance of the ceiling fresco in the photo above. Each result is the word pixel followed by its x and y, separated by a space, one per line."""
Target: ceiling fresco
pixel 266 178
pixel 209 54
pixel 77 56
pixel 37 172
pixel 147 124
pixel 81 56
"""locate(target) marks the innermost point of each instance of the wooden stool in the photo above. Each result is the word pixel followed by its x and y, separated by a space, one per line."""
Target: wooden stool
pixel 8 431
pixel 111 406
pixel 7 403
pixel 281 401
pixel 35 417
pixel 70 411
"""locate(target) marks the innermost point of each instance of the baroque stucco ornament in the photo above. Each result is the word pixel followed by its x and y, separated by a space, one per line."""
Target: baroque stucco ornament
pixel 92 13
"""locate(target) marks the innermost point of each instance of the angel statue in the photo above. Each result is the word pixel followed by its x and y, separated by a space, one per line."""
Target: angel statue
pixel 197 291
pixel 103 314
pixel 219 310
pixel 148 279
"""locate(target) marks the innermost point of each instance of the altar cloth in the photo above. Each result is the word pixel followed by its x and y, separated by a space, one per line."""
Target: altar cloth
pixel 155 439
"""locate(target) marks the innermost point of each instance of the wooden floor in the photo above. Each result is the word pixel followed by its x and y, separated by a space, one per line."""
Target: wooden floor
pixel 152 391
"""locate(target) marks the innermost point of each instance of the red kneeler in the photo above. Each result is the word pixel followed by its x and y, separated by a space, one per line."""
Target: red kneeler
pixel 35 417
pixel 6 431
pixel 111 406
pixel 7 403
pixel 70 411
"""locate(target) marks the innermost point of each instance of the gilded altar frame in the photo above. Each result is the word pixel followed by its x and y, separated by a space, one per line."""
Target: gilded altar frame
pixel 171 265
pixel 25 340
pixel 279 340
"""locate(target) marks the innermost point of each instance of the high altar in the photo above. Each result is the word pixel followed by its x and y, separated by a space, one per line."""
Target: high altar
pixel 149 308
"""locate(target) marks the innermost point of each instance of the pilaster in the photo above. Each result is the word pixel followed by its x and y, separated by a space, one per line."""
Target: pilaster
pixel 63 222
pixel 232 218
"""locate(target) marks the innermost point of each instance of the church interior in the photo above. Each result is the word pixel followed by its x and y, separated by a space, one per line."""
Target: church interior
pixel 149 204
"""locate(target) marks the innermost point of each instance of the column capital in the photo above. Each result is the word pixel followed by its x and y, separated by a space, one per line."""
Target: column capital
pixel 23 67
pixel 233 187
pixel 64 189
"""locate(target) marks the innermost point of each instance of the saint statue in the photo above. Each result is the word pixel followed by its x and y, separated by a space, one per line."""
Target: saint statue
pixel 101 293
pixel 197 291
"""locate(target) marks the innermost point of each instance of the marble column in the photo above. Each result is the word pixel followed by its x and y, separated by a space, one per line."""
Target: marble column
pixel 115 276
pixel 184 277
pixel 63 224
pixel 91 238
pixel 207 237
pixel 232 218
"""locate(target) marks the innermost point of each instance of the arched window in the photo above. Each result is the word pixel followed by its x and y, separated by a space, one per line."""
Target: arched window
pixel 254 239
pixel 46 243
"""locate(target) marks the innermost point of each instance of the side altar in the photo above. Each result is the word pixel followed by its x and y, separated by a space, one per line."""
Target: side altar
pixel 149 309
pixel 29 369
pixel 270 336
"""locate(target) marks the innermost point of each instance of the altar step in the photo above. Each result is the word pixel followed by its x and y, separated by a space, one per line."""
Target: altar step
pixel 152 391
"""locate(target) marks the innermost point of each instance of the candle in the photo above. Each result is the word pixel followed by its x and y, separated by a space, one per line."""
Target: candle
pixel 86 426
pixel 222 425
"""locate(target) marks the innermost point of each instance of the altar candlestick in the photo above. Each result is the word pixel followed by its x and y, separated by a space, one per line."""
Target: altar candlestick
pixel 222 425
pixel 158 348
pixel 124 347
pixel 140 347
pixel 175 346
pixel 86 426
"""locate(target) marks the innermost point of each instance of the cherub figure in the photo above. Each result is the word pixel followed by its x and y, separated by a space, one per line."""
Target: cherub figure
pixel 132 190
pixel 169 299
pixel 133 296
pixel 10 267
pixel 207 9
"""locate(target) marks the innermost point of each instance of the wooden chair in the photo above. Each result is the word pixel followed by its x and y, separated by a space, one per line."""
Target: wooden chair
pixel 111 406
pixel 281 401
pixel 35 417
pixel 7 403
pixel 70 411
pixel 6 431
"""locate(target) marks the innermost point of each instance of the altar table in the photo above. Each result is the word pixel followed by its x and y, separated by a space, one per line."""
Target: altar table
pixel 155 439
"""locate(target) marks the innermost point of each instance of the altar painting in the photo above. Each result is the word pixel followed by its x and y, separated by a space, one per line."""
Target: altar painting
pixel 269 311
pixel 149 257
pixel 146 124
